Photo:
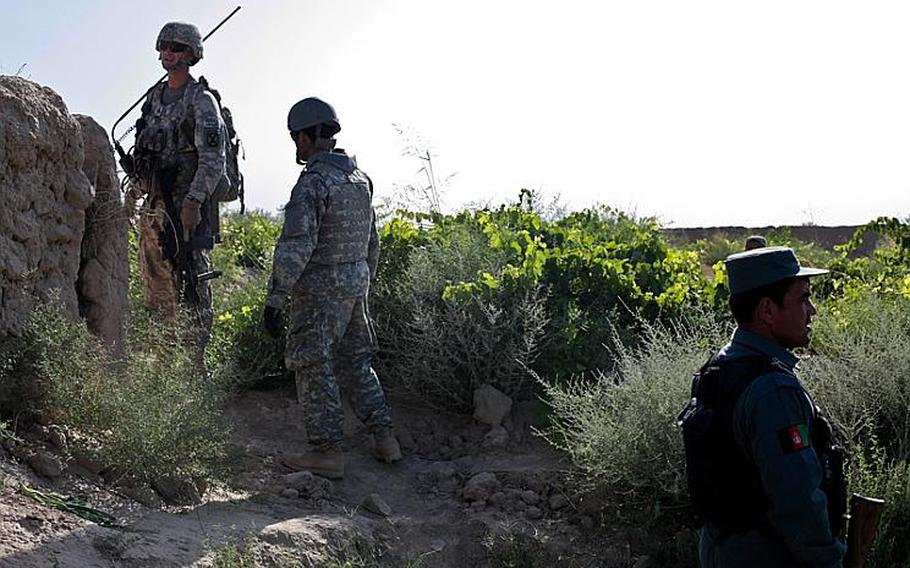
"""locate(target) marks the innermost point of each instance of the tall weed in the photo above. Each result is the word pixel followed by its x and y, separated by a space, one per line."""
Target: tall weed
pixel 153 414
pixel 860 374
pixel 859 370
pixel 443 348
pixel 873 474
pixel 241 353
pixel 619 426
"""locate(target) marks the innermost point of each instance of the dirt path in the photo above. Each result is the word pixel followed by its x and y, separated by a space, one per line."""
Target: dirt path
pixel 455 500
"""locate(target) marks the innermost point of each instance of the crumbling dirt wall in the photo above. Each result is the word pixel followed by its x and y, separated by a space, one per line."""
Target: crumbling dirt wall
pixel 103 275
pixel 43 198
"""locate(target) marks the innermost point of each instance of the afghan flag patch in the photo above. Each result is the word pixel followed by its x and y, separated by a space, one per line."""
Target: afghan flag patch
pixel 794 438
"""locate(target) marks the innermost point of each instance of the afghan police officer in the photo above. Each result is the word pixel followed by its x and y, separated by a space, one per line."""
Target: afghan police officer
pixel 763 471
pixel 179 162
pixel 323 264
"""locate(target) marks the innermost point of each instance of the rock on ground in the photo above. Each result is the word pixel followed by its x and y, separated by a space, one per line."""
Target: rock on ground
pixel 491 405
pixel 375 504
pixel 46 464
pixel 497 437
pixel 307 485
pixel 480 487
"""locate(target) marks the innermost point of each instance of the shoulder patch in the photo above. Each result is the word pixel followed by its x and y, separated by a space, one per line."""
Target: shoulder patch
pixel 211 131
pixel 794 438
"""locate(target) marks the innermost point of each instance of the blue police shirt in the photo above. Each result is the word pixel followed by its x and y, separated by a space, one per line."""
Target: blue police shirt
pixel 772 422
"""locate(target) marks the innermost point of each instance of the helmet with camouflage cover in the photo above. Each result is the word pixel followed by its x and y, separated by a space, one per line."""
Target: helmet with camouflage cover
pixel 182 32
pixel 312 111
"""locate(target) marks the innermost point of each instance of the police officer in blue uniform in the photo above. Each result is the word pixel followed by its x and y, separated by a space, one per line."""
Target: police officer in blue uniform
pixel 764 473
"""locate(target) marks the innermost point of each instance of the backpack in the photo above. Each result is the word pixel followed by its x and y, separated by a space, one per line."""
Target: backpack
pixel 724 484
pixel 230 187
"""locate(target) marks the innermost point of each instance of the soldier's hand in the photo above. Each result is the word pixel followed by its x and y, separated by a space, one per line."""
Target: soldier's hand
pixel 190 216
pixel 271 319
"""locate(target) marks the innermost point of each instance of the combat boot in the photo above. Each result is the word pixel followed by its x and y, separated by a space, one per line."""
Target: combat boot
pixel 385 446
pixel 328 463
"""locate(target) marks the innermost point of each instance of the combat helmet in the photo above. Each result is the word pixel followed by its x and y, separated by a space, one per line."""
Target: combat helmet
pixel 182 32
pixel 310 112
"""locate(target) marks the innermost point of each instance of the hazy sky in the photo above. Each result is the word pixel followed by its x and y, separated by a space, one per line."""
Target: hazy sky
pixel 699 112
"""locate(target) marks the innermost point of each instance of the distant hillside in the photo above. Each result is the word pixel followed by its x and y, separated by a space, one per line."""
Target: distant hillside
pixel 825 237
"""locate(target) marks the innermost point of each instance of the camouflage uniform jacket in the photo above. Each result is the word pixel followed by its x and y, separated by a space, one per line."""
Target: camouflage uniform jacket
pixel 184 136
pixel 329 244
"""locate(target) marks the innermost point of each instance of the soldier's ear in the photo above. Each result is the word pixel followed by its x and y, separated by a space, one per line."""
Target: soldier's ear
pixel 765 311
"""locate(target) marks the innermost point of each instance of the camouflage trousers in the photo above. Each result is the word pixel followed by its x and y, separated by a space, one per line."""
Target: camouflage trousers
pixel 162 294
pixel 330 346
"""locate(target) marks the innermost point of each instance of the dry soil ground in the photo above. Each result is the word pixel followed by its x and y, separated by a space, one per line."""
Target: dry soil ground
pixel 457 499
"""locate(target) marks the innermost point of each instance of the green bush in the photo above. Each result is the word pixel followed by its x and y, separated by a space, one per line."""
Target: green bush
pixel 859 370
pixel 455 292
pixel 237 552
pixel 442 346
pixel 619 427
pixel 860 374
pixel 714 249
pixel 874 474
pixel 248 240
pixel 808 253
pixel 241 353
pixel 152 414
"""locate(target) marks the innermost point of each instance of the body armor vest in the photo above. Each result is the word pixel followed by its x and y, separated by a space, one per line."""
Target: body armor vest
pixel 346 225
pixel 166 154
pixel 724 484
pixel 165 134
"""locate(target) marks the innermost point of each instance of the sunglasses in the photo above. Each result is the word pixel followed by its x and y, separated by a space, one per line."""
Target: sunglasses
pixel 172 46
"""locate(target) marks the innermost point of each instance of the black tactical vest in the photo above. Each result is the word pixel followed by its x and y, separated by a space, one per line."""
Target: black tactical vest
pixel 724 483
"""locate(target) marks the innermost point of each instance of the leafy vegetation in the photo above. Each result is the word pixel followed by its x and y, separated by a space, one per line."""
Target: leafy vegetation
pixel 537 294
pixel 75 505
pixel 237 552
pixel 152 413
pixel 618 426
pixel 241 353
pixel 597 303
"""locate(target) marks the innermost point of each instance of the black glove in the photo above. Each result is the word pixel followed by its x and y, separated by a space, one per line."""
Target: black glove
pixel 271 319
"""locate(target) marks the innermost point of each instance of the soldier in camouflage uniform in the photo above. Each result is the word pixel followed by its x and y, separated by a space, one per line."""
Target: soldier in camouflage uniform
pixel 324 261
pixel 180 160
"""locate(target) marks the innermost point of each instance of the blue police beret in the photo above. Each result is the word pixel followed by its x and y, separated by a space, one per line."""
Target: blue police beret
pixel 758 267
